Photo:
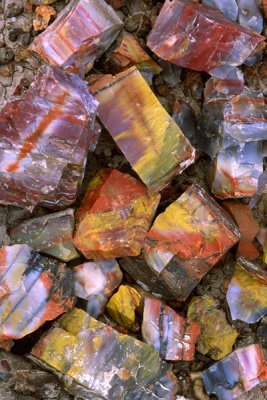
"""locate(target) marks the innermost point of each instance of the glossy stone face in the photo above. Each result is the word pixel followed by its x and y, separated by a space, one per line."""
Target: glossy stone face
pixel 217 337
pixel 236 374
pixel 80 34
pixel 234 139
pixel 102 364
pixel 121 307
pixel 198 37
pixel 51 234
pixel 115 215
pixel 44 141
pixel 33 289
pixel 95 282
pixel 170 334
pixel 129 53
pixel 247 292
pixel 246 12
pixel 183 244
pixel 146 134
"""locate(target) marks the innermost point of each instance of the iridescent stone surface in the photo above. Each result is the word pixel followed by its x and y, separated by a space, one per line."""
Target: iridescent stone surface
pixel 183 244
pixel 80 34
pixel 169 333
pixel 33 289
pixel 95 282
pixel 234 139
pixel 247 292
pixel 45 138
pixel 146 134
pixel 129 53
pixel 217 337
pixel 246 12
pixel 198 37
pixel 102 364
pixel 121 306
pixel 51 234
pixel 115 215
pixel 236 374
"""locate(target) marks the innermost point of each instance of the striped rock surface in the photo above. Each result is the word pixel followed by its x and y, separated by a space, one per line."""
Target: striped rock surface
pixel 146 134
pixel 33 289
pixel 45 138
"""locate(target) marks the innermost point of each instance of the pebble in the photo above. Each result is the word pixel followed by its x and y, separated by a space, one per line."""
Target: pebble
pixel 6 55
pixel 13 9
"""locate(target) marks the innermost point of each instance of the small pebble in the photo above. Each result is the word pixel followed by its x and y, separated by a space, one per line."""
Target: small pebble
pixel 6 55
pixel 13 9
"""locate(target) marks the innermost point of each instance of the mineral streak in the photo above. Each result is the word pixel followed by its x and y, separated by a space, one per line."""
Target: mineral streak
pixel 44 141
pixel 183 244
pixel 170 334
pixel 51 234
pixel 198 37
pixel 236 374
pixel 115 215
pixel 146 134
pixel 82 32
pixel 247 292
pixel 96 362
pixel 33 289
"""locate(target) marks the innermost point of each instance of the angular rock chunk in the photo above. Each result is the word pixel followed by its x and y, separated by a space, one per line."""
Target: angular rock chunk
pixel 217 336
pixel 102 364
pixel 262 238
pixel 95 282
pixel 183 244
pixel 198 37
pixel 247 292
pixel 170 334
pixel 33 289
pixel 51 234
pixel 234 139
pixel 115 215
pixel 237 373
pixel 44 141
pixel 121 307
pixel 129 53
pixel 248 226
pixel 82 32
pixel 146 134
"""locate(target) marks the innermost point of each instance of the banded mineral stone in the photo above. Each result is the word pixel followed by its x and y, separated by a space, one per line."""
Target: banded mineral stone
pixel 236 374
pixel 96 362
pixel 95 282
pixel 129 53
pixel 148 137
pixel 82 32
pixel 247 292
pixel 44 141
pixel 169 333
pixel 198 37
pixel 183 244
pixel 217 336
pixel 121 307
pixel 114 216
pixel 51 234
pixel 234 138
pixel 33 289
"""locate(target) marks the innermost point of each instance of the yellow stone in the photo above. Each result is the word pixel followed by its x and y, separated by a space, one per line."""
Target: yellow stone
pixel 217 337
pixel 121 306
